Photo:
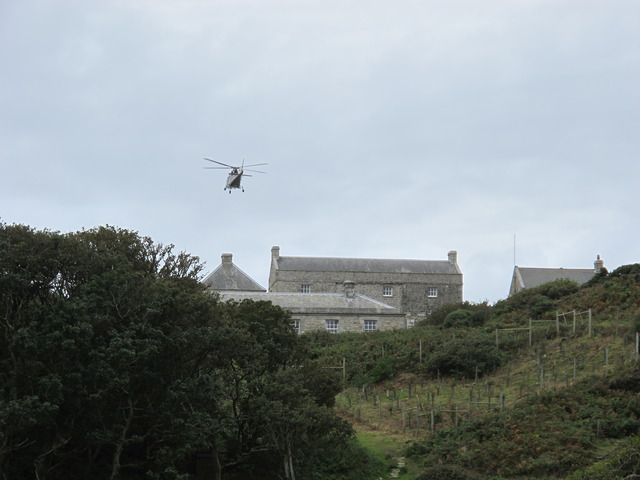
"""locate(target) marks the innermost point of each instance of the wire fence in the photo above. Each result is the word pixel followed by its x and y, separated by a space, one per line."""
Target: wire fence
pixel 555 353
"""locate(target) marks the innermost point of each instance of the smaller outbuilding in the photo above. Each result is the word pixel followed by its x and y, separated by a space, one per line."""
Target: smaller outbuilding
pixel 527 277
pixel 228 277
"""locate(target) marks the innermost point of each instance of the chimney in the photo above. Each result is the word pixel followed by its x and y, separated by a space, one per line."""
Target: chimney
pixel 275 253
pixel 227 258
pixel 453 257
pixel 349 289
pixel 598 264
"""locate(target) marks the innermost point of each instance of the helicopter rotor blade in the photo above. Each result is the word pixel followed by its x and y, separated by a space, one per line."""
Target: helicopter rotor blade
pixel 217 168
pixel 255 165
pixel 220 163
pixel 254 171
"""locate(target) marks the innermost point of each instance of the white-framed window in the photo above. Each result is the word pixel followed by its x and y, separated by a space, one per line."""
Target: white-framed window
pixel 432 292
pixel 295 324
pixel 332 326
pixel 387 291
pixel 305 288
pixel 370 325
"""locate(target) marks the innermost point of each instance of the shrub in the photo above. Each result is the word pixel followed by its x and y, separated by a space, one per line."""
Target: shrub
pixel 447 472
pixel 458 318
pixel 624 464
pixel 383 370
pixel 535 302
pixel 481 313
pixel 461 356
pixel 558 288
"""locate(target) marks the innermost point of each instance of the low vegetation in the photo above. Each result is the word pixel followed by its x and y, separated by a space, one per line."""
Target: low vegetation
pixel 480 396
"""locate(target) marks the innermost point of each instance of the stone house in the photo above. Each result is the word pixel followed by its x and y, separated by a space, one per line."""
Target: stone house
pixel 414 287
pixel 345 311
pixel 526 277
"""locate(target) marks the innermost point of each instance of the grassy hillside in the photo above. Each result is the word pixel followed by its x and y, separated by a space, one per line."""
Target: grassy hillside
pixel 523 389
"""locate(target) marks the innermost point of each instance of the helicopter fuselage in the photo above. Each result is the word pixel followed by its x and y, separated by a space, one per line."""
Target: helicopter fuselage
pixel 233 180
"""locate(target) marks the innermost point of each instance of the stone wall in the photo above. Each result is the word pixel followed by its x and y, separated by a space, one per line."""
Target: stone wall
pixel 348 322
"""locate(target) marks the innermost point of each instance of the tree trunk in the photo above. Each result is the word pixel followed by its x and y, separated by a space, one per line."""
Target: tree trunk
pixel 115 465
pixel 216 460
pixel 289 462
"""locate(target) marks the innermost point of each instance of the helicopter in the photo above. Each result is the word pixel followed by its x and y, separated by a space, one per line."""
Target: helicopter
pixel 236 173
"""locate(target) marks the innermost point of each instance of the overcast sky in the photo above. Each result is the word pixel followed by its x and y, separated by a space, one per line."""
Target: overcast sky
pixel 399 129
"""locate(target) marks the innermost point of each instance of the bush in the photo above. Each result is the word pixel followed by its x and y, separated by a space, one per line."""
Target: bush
pixel 461 356
pixel 558 288
pixel 624 464
pixel 447 472
pixel 333 461
pixel 535 302
pixel 632 270
pixel 458 318
pixel 383 370
pixel 481 313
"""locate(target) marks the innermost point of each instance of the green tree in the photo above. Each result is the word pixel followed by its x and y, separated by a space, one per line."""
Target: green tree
pixel 276 400
pixel 100 332
pixel 115 363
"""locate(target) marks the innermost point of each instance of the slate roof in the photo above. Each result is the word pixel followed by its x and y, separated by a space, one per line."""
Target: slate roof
pixel 533 277
pixel 314 302
pixel 229 277
pixel 368 265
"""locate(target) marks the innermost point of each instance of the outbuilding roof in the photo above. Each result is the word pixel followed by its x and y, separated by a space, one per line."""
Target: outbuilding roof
pixel 534 277
pixel 310 302
pixel 228 277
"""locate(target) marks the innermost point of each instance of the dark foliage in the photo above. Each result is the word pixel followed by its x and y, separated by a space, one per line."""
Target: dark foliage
pixel 464 355
pixel 447 472
pixel 536 302
pixel 378 356
pixel 114 363
pixel 480 314
pixel 382 370
pixel 462 318
pixel 624 464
